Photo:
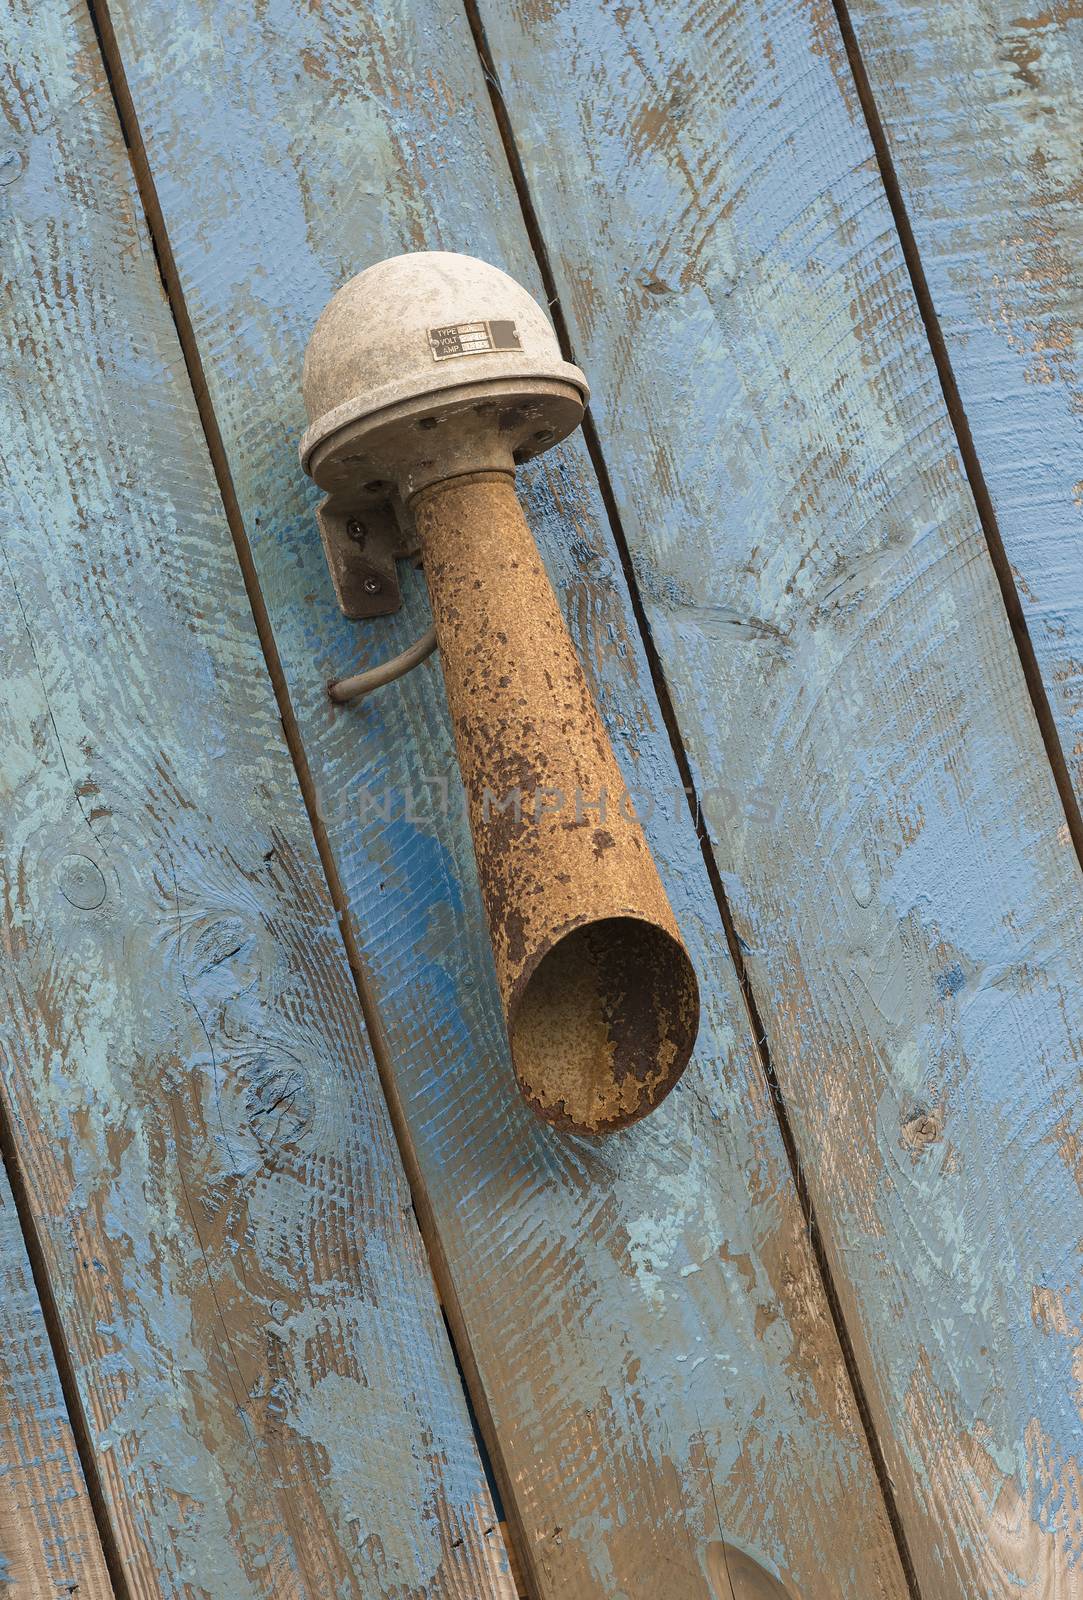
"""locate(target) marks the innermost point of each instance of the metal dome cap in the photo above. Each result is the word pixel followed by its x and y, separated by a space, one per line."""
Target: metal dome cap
pixel 425 359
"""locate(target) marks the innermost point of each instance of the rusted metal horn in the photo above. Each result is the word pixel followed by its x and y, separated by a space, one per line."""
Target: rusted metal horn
pixel 428 379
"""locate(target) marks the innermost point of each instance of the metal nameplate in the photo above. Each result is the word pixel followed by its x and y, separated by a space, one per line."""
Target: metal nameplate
pixel 472 339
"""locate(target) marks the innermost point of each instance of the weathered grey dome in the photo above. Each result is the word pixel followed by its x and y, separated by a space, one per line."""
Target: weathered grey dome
pixel 423 324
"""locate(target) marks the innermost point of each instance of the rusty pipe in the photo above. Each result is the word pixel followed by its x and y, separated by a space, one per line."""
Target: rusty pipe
pixel 599 994
pixel 428 379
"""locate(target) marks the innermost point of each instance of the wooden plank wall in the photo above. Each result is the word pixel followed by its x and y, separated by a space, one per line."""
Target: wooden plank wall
pixel 643 1322
pixel 49 1544
pixel 826 613
pixel 979 101
pixel 259 1353
pixel 644 1316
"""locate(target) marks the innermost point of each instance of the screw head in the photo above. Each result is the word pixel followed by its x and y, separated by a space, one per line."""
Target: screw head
pixel 354 530
pixel 372 585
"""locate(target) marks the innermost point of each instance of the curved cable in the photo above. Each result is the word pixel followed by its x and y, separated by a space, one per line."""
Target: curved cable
pixel 343 690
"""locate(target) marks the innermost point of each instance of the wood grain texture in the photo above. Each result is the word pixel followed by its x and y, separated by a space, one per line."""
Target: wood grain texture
pixel 224 1220
pixel 980 104
pixel 644 1312
pixel 49 1544
pixel 822 601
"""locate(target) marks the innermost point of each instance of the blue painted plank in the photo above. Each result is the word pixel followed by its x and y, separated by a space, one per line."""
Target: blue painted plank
pixel 980 104
pixel 651 1339
pixel 226 1227
pixel 833 635
pixel 49 1544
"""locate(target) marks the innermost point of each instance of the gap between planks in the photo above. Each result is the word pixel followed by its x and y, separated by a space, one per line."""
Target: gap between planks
pixel 69 1387
pixel 960 423
pixel 511 1528
pixel 661 689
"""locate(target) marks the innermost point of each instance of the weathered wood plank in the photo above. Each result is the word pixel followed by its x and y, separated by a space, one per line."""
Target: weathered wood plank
pixel 644 1313
pixel 834 638
pixel 49 1544
pixel 224 1220
pixel 979 101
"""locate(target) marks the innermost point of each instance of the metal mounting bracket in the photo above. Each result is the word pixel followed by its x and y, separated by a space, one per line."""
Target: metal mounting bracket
pixel 362 540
